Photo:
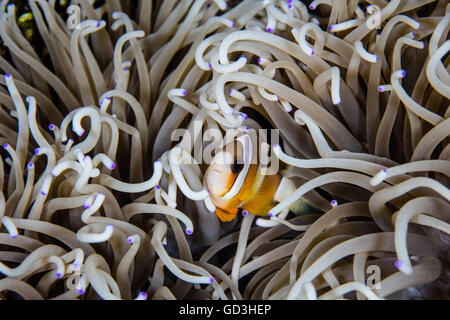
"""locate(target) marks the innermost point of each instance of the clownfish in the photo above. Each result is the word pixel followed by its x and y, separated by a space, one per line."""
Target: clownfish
pixel 237 182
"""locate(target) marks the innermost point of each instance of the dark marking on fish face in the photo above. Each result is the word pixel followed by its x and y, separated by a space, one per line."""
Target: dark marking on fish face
pixel 236 167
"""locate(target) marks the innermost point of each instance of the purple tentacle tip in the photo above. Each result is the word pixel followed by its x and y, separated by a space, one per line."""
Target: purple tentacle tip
pixel 113 166
pixel 312 7
pixel 76 265
pixel 211 280
pixel 230 91
pixel 80 291
pixel 157 187
pixel 14 236
pixel 36 151
pixel 208 4
pixel 270 214
pixel 334 203
pixel 398 264
pixel 403 73
pixel 269 30
pixel 380 89
pixel 290 6
pixel 51 126
pixel 276 145
pixel 8 75
pixel 59 275
pixel 188 231
pixel 384 171
pixel 130 240
pixel 143 295
pixel 312 52
pixel 43 193
pixel 210 66
pixel 5 145
pixel 244 212
pixel 98 24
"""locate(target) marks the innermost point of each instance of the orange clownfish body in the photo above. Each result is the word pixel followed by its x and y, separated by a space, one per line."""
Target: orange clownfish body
pixel 235 181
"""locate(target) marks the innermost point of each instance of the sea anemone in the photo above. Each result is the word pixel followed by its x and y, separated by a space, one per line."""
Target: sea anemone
pixel 106 108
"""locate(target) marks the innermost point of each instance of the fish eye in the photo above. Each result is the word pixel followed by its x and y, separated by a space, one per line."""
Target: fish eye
pixel 236 167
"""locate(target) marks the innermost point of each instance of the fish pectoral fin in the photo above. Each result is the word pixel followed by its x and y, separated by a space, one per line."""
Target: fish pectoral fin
pixel 257 208
pixel 252 189
pixel 226 216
